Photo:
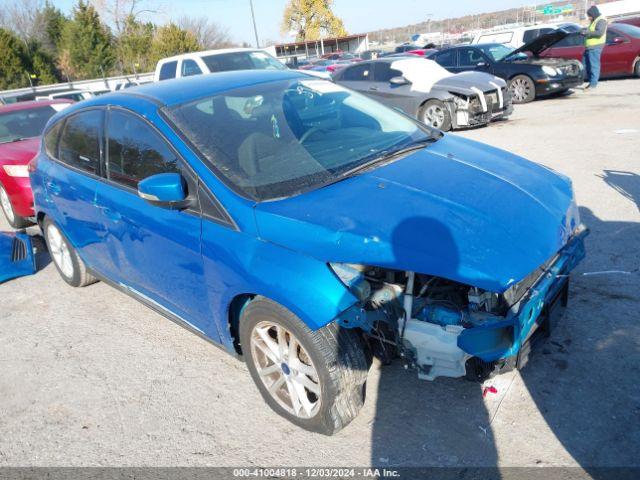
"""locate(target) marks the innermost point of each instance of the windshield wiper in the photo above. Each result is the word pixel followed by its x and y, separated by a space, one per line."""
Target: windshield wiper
pixel 382 157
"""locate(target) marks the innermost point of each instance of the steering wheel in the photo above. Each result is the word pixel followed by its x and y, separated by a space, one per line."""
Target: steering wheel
pixel 312 131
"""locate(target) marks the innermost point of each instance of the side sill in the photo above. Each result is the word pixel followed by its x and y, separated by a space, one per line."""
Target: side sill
pixel 162 311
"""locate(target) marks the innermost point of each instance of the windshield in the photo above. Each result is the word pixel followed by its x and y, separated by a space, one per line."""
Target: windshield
pixel 23 124
pixel 257 60
pixel 630 30
pixel 276 139
pixel 498 52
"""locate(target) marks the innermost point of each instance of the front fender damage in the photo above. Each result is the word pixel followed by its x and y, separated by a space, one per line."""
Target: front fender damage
pixel 456 330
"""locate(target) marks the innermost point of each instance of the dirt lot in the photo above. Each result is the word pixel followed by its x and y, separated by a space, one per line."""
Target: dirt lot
pixel 91 377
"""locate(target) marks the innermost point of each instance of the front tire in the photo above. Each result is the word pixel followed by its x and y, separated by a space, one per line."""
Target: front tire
pixel 636 68
pixel 67 261
pixel 435 114
pixel 314 379
pixel 15 220
pixel 522 89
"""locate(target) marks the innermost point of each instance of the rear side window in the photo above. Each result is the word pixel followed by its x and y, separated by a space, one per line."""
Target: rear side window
pixel 80 141
pixel 51 140
pixel 135 151
pixel 502 37
pixel 447 58
pixel 190 67
pixel 383 72
pixel 357 73
pixel 168 70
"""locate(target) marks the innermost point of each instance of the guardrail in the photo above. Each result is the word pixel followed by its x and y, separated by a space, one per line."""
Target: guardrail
pixel 92 85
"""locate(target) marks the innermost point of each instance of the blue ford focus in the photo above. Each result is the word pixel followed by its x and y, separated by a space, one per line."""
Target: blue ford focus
pixel 308 229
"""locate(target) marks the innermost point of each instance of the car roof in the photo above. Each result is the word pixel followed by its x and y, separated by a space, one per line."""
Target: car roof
pixel 203 53
pixel 181 90
pixel 14 107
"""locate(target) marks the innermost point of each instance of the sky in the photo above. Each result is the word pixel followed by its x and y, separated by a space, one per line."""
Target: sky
pixel 358 15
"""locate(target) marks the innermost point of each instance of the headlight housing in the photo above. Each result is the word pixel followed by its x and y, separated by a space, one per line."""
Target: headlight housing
pixel 460 101
pixel 18 171
pixel 352 276
pixel 551 71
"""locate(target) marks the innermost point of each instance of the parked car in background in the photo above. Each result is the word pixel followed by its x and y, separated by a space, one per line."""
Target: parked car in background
pixel 423 52
pixel 326 65
pixel 635 21
pixel 405 47
pixel 620 56
pixel 340 55
pixel 21 125
pixel 210 61
pixel 528 76
pixel 293 221
pixel 514 37
pixel 75 95
pixel 425 90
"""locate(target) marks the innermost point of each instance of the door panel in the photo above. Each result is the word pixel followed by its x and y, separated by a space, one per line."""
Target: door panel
pixel 153 250
pixel 72 185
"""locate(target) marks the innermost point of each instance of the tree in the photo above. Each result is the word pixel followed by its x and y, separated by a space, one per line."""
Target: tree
pixel 208 34
pixel 171 40
pixel 52 22
pixel 134 46
pixel 86 50
pixel 119 13
pixel 311 20
pixel 12 72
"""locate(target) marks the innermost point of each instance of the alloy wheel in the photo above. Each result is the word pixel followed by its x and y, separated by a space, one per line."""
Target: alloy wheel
pixel 6 205
pixel 59 251
pixel 286 370
pixel 520 89
pixel 434 116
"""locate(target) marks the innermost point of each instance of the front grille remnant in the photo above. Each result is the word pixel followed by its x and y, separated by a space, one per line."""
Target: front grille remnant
pixel 18 250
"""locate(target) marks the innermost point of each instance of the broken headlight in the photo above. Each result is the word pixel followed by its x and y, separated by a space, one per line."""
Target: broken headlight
pixel 352 276
pixel 460 101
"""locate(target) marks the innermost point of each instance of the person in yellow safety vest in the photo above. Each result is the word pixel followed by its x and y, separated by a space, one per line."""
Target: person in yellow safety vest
pixel 595 36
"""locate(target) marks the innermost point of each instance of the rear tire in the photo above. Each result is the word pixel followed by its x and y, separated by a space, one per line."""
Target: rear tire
pixel 67 261
pixel 15 220
pixel 435 114
pixel 522 89
pixel 636 68
pixel 314 379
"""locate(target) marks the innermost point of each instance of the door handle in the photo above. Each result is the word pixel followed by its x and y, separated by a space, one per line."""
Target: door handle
pixel 374 89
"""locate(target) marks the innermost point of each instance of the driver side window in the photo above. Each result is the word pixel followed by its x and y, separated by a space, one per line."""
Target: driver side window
pixel 470 57
pixel 135 151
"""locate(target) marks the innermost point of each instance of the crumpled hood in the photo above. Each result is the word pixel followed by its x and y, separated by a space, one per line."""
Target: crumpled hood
pixel 457 209
pixel 19 152
pixel 464 82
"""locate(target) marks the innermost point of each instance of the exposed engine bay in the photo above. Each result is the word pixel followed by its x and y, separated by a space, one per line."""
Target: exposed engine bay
pixel 443 328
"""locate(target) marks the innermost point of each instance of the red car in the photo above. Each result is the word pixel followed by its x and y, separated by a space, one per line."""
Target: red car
pixel 631 21
pixel 21 125
pixel 621 54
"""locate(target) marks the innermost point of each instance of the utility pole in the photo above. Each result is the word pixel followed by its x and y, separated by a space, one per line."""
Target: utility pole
pixel 255 29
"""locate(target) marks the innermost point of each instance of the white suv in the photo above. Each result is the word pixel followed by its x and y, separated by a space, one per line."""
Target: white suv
pixel 514 37
pixel 211 61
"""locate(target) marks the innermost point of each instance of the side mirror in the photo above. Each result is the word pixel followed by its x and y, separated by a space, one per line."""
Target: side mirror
pixel 481 64
pixel 618 40
pixel 399 80
pixel 164 190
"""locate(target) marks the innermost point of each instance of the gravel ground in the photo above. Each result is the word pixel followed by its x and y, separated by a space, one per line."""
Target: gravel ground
pixel 91 377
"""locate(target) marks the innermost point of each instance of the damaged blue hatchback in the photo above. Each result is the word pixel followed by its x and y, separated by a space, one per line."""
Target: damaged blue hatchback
pixel 308 228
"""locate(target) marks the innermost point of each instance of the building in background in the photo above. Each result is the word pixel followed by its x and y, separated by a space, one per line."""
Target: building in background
pixel 316 48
